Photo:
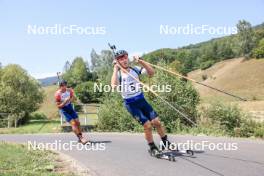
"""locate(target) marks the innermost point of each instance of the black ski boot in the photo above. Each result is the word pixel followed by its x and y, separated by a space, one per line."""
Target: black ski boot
pixel 153 149
pixel 165 143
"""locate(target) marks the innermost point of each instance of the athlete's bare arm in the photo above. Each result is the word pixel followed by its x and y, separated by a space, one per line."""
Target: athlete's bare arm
pixel 149 69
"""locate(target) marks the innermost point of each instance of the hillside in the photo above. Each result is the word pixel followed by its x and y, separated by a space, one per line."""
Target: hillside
pixel 243 78
pixel 48 107
pixel 48 81
pixel 236 76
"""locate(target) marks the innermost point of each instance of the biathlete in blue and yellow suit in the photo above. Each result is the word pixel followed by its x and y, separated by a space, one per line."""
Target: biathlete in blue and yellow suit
pixel 134 100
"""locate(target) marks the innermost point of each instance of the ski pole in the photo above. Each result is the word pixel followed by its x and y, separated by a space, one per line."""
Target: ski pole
pixel 190 79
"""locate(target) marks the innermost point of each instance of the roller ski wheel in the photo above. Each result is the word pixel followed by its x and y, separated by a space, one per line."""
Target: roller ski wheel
pixel 156 153
pixel 189 152
pixel 160 155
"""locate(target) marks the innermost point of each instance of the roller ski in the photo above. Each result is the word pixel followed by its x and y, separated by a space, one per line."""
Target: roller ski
pixel 155 152
pixel 166 153
pixel 166 148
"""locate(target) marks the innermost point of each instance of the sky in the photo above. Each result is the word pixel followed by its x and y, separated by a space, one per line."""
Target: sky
pixel 132 25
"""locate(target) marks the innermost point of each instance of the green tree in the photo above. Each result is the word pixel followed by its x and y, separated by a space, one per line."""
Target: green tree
pixel 86 92
pixel 246 37
pixel 66 67
pixel 20 94
pixel 176 66
pixel 95 62
pixel 78 72
pixel 102 65
pixel 225 51
pixel 0 69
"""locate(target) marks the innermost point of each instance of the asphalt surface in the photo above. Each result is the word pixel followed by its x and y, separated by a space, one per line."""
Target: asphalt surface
pixel 126 154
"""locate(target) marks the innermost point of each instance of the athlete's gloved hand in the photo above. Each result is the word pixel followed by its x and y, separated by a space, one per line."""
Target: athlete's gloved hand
pixel 137 59
pixel 67 100
pixel 116 65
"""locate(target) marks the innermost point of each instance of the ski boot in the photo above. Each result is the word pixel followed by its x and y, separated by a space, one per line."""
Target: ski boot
pixel 82 139
pixel 153 150
pixel 165 143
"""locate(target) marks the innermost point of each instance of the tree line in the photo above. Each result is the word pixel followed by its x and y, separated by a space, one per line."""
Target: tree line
pixel 248 43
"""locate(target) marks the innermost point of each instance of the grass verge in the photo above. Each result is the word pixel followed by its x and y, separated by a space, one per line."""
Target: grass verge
pixel 34 126
pixel 17 160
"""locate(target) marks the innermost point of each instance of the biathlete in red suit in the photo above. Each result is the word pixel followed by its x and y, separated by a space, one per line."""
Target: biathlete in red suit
pixel 64 98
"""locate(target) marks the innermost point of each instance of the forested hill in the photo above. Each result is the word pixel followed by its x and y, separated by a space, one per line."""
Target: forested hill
pixel 248 43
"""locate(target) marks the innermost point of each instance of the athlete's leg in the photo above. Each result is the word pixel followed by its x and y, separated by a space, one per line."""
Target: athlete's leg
pixel 157 124
pixel 74 117
pixel 148 132
pixel 143 120
pixel 160 129
pixel 152 116
pixel 77 130
pixel 78 125
pixel 75 127
pixel 148 135
pixel 71 119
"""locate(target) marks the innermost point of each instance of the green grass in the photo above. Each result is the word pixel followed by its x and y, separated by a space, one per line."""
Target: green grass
pixel 17 160
pixel 37 126
pixel 45 126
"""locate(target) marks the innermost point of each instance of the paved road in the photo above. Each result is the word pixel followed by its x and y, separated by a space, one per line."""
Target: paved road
pixel 126 154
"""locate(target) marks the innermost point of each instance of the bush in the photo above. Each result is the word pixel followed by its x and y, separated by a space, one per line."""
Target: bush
pixel 182 96
pixel 229 117
pixel 77 107
pixel 112 116
pixel 204 77
pixel 38 116
pixel 259 131
pixel 206 64
pixel 232 120
pixel 251 128
pixel 254 98
pixel 247 128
